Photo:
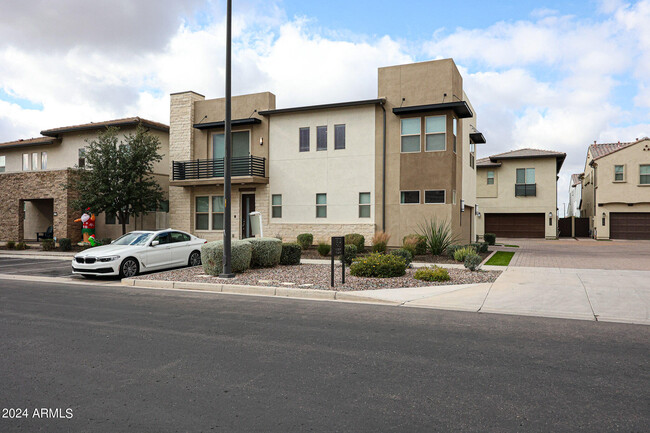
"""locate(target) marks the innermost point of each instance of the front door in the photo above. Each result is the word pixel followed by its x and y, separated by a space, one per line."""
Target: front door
pixel 247 206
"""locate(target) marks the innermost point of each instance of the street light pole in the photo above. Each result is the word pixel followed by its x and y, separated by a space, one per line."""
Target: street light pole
pixel 227 230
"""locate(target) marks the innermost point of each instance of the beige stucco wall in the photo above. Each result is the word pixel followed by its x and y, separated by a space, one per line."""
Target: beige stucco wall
pixel 505 201
pixel 468 171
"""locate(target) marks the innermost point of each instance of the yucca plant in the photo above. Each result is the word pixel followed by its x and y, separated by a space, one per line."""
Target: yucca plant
pixel 438 235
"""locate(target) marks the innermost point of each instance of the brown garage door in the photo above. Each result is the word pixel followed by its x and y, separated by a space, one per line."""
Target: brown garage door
pixel 515 225
pixel 629 225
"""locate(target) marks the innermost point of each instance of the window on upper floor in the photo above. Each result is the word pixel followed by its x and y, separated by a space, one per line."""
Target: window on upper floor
pixel 35 161
pixel 410 135
pixel 644 177
pixel 276 206
pixel 304 139
pixel 435 196
pixel 240 145
pixel 409 197
pixel 454 127
pixel 525 183
pixel 25 161
pixel 339 137
pixel 321 205
pixel 321 138
pixel 3 162
pixel 490 177
pixel 82 158
pixel 525 175
pixel 43 160
pixel 435 129
pixel 619 173
pixel 364 205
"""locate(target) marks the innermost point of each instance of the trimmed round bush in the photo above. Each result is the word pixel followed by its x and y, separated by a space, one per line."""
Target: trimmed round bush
pixel 212 256
pixel 403 253
pixel 47 244
pixel 434 273
pixel 357 240
pixel 378 266
pixel 349 254
pixel 65 244
pixel 473 261
pixel 490 238
pixel 483 247
pixel 323 248
pixel 416 243
pixel 266 252
pixel 461 253
pixel 305 240
pixel 291 254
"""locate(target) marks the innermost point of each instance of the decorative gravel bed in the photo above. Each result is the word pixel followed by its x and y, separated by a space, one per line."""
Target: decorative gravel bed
pixel 318 277
pixel 424 258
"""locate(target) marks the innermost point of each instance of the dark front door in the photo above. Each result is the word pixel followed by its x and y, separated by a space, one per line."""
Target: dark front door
pixel 247 206
pixel 515 225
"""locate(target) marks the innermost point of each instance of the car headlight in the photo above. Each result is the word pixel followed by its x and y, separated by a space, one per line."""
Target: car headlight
pixel 107 258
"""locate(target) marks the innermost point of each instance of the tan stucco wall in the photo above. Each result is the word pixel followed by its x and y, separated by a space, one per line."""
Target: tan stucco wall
pixel 505 201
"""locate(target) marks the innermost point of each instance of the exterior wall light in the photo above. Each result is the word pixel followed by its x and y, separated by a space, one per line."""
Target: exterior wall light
pixel 604 216
pixel 462 205
pixel 550 218
pixel 261 141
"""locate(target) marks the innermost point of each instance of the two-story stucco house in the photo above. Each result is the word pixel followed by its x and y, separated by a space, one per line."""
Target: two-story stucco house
pixel 517 193
pixel 616 190
pixel 33 173
pixel 388 163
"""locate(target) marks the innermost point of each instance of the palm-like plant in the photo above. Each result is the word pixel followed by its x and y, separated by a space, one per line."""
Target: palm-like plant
pixel 438 235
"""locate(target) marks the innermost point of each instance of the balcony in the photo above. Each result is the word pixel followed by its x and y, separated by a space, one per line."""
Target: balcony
pixel 245 169
pixel 525 190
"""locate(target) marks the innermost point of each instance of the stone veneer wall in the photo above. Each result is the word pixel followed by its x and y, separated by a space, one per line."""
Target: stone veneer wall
pixel 321 232
pixel 15 188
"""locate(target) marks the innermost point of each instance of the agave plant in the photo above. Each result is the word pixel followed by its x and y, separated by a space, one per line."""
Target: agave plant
pixel 438 235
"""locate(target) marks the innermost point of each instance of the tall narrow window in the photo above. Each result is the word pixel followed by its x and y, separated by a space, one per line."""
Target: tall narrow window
pixel 409 197
pixel 82 158
pixel 321 138
pixel 364 205
pixel 453 196
pixel 276 206
pixel 25 161
pixel 304 139
pixel 218 208
pixel 490 177
pixel 339 136
pixel 35 161
pixel 43 160
pixel 619 173
pixel 321 205
pixel 644 178
pixel 410 130
pixel 525 186
pixel 435 128
pixel 454 127
pixel 3 163
pixel 202 213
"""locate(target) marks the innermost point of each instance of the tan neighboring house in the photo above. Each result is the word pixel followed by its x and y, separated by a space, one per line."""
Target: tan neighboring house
pixel 575 195
pixel 33 173
pixel 616 190
pixel 387 163
pixel 517 193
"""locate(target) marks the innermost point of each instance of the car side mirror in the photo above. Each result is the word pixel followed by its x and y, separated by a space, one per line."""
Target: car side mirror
pixel 154 243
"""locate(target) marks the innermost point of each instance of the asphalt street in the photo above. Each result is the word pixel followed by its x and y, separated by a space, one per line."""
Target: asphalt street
pixel 129 359
pixel 37 267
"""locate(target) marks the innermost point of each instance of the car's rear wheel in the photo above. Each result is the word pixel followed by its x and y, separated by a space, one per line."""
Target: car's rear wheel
pixel 195 259
pixel 129 268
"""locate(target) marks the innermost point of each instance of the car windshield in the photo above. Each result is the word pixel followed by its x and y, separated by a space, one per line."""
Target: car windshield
pixel 133 238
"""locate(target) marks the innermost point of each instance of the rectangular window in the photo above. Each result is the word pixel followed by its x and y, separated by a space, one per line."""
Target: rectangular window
pixel 409 197
pixel 364 205
pixel 304 139
pixel 82 158
pixel 435 129
pixel 218 208
pixel 525 186
pixel 3 162
pixel 25 161
pixel 525 175
pixel 619 173
pixel 321 138
pixel 163 206
pixel 644 171
pixel 43 160
pixel 453 196
pixel 110 219
pixel 321 205
pixel 276 206
pixel 202 213
pixel 410 134
pixel 35 161
pixel 490 177
pixel 240 145
pixel 436 196
pixel 339 136
pixel 454 126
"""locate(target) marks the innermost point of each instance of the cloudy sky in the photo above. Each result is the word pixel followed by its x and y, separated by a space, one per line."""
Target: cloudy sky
pixel 543 74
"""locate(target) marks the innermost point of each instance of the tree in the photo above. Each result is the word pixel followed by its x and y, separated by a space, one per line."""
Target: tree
pixel 117 175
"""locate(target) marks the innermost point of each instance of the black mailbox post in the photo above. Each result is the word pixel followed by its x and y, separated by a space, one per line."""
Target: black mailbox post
pixel 338 249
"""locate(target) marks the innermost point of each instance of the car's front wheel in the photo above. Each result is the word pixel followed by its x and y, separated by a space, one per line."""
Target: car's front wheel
pixel 195 259
pixel 129 268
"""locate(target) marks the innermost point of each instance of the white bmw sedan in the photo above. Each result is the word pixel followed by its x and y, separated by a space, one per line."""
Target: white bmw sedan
pixel 140 251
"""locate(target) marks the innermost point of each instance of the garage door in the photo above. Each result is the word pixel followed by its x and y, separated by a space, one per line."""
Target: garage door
pixel 515 225
pixel 629 225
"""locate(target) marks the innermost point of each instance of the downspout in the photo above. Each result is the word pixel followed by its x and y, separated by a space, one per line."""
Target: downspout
pixel 383 173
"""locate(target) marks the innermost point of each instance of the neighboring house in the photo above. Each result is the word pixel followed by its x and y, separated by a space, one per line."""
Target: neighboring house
pixel 517 193
pixel 387 163
pixel 33 173
pixel 575 195
pixel 616 190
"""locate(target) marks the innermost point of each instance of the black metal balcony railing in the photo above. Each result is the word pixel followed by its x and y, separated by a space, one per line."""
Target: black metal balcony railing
pixel 525 190
pixel 208 168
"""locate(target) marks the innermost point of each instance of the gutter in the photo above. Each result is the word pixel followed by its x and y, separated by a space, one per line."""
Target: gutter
pixel 383 172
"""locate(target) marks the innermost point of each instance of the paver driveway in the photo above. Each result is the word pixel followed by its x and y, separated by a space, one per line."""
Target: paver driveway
pixel 580 254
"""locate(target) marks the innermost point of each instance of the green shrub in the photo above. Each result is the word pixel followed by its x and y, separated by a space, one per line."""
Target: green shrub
pixel 438 235
pixel 291 254
pixel 65 244
pixel 476 246
pixel 473 261
pixel 461 253
pixel 212 256
pixel 379 247
pixel 11 245
pixel 349 254
pixel 357 240
pixel 21 246
pixel 403 253
pixel 416 243
pixel 323 248
pixel 265 252
pixel 451 249
pixel 378 266
pixel 305 240
pixel 105 241
pixel 433 273
pixel 47 244
pixel 490 238
pixel 484 247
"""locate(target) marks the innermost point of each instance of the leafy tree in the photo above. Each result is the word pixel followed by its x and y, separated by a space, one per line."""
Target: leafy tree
pixel 117 175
